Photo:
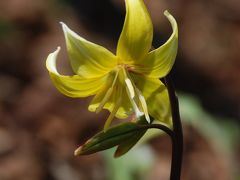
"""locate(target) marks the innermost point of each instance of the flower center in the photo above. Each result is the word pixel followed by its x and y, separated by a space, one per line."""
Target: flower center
pixel 127 67
pixel 135 96
pixel 122 81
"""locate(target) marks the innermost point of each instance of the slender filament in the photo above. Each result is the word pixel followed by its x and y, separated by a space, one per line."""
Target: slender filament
pixel 114 111
pixel 107 95
pixel 131 94
pixel 143 104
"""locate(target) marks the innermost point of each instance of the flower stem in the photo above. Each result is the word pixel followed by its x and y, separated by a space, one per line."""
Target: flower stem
pixel 164 128
pixel 177 138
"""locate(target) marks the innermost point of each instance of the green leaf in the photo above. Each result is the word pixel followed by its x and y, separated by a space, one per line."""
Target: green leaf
pixel 112 137
pixel 125 146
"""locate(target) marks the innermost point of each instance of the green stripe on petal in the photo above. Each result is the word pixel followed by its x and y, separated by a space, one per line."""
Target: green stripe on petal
pixel 72 86
pixel 156 96
pixel 159 62
pixel 87 59
pixel 136 37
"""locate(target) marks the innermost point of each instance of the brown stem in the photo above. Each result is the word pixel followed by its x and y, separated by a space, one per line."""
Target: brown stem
pixel 177 138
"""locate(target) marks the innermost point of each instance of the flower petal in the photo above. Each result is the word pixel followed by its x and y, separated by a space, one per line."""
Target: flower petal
pixel 156 95
pixel 159 62
pixel 87 59
pixel 124 109
pixel 136 37
pixel 72 86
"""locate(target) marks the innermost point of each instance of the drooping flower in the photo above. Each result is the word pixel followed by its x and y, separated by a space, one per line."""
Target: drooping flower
pixel 126 83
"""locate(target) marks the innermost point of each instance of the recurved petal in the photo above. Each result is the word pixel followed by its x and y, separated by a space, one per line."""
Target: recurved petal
pixel 72 86
pixel 156 95
pixel 159 62
pixel 87 59
pixel 136 37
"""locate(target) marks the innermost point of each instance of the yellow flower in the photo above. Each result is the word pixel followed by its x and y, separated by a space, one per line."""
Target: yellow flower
pixel 126 83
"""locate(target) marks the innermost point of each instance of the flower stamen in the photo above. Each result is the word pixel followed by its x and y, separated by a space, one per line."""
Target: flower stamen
pixel 113 113
pixel 131 95
pixel 104 100
pixel 140 97
pixel 130 88
pixel 143 104
pixel 107 95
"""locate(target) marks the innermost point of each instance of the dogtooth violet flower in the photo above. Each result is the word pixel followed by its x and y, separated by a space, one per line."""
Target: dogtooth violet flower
pixel 126 83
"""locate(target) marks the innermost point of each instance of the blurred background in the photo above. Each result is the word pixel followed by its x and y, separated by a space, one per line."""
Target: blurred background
pixel 40 128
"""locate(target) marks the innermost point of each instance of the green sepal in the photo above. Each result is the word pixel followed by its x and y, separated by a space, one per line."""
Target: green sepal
pixel 125 146
pixel 112 137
